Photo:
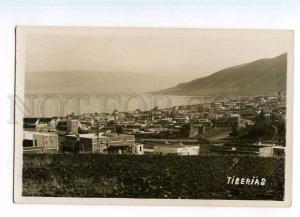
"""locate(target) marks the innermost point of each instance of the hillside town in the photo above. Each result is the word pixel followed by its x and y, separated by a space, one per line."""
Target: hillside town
pixel 227 126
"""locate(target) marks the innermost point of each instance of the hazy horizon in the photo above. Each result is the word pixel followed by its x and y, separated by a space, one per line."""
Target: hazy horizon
pixel 173 55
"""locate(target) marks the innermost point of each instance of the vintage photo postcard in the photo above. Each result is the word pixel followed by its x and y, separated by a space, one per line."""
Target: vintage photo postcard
pixel 153 116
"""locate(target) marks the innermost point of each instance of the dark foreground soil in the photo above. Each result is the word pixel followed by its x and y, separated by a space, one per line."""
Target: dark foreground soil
pixel 129 176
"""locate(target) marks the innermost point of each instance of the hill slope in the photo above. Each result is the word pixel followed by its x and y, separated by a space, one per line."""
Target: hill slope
pixel 261 77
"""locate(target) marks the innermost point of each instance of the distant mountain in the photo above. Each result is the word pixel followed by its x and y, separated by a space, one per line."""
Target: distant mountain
pixel 94 82
pixel 261 77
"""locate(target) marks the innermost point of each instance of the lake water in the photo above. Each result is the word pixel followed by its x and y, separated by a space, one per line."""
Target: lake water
pixel 42 105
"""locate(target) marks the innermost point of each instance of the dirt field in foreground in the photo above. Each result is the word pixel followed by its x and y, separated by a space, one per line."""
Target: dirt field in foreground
pixel 129 176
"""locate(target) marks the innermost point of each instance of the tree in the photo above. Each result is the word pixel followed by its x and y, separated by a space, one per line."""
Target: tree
pixel 281 131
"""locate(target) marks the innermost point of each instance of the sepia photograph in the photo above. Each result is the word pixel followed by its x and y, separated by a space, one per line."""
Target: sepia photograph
pixel 153 116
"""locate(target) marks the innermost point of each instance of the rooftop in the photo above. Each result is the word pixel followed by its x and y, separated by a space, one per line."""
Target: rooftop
pixel 177 146
pixel 88 135
pixel 29 134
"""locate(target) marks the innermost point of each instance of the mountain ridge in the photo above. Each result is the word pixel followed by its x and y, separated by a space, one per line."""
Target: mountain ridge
pixel 260 77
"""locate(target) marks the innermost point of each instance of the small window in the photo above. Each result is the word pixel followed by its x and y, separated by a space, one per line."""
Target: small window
pixel 35 143
pixel 140 148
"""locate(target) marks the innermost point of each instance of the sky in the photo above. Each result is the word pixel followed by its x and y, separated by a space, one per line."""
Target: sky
pixel 180 54
pixel 145 2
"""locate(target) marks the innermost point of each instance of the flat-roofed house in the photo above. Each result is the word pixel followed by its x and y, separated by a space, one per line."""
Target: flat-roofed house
pixel 103 143
pixel 177 149
pixel 40 142
pixel 261 150
pixel 266 151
